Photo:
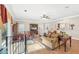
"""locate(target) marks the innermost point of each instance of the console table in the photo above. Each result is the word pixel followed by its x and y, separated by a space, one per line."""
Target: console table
pixel 64 40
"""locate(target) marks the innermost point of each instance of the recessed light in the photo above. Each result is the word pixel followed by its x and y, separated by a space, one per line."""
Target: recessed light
pixel 66 6
pixel 25 10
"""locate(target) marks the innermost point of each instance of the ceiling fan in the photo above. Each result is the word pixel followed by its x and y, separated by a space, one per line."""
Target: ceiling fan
pixel 45 16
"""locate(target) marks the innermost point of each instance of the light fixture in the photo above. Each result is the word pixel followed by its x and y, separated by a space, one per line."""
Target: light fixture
pixel 45 16
pixel 66 6
pixel 25 10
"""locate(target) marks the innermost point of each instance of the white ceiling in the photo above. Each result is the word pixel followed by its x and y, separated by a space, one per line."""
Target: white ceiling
pixel 35 11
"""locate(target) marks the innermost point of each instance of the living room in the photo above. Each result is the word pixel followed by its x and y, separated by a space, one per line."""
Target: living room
pixel 43 29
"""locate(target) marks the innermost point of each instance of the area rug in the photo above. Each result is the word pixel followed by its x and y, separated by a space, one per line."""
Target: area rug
pixel 30 42
pixel 34 47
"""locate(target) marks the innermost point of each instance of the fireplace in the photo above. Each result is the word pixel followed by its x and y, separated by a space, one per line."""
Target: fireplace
pixel 34 28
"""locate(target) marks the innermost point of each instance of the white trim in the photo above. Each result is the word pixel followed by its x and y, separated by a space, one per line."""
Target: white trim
pixel 75 38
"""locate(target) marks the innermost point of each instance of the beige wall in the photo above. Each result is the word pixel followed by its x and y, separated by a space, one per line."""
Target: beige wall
pixel 75 32
pixel 52 25
pixel 42 25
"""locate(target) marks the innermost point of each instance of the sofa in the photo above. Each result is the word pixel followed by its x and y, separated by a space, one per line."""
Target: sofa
pixel 51 40
pixel 55 39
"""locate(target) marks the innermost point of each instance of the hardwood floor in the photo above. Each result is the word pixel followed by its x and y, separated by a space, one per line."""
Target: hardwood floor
pixel 73 50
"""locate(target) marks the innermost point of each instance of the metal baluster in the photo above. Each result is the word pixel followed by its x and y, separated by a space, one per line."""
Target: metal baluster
pixel 10 44
pixel 13 44
pixel 18 44
pixel 6 44
pixel 25 44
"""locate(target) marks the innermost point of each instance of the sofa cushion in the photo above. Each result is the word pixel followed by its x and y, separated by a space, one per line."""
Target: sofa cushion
pixel 54 35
